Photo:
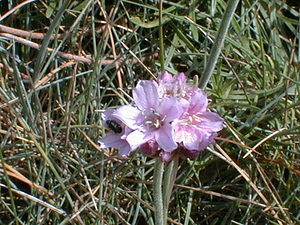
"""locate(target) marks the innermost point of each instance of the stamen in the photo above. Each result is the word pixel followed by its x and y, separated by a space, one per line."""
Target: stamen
pixel 197 118
pixel 152 119
pixel 157 124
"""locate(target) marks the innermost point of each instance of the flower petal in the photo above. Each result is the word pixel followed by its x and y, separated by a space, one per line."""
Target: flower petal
pixel 137 138
pixel 187 135
pixel 166 77
pixel 181 78
pixel 179 133
pixel 125 150
pixel 198 102
pixel 128 115
pixel 164 138
pixel 191 140
pixel 145 94
pixel 170 109
pixel 208 138
pixel 107 114
pixel 112 140
pixel 211 121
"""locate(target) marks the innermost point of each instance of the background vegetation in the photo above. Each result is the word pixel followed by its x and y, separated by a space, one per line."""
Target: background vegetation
pixel 66 61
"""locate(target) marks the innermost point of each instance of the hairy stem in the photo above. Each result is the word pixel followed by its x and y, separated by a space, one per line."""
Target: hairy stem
pixel 157 191
pixel 218 43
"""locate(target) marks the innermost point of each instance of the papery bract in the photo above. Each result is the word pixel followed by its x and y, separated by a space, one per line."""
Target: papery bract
pixel 150 148
pixel 166 156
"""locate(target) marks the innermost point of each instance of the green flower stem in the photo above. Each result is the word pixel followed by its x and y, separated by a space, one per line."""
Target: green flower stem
pixel 157 191
pixel 168 184
pixel 218 43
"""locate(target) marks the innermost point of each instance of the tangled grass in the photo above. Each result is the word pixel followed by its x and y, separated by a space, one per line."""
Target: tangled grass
pixel 63 62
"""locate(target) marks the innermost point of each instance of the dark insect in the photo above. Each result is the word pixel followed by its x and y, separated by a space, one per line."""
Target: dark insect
pixel 114 126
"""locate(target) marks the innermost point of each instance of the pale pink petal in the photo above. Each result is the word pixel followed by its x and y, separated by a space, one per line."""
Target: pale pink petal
pixel 125 150
pixel 166 77
pixel 181 78
pixel 170 109
pixel 207 139
pixel 112 140
pixel 137 138
pixel 145 94
pixel 128 115
pixel 198 102
pixel 165 139
pixel 179 133
pixel 191 140
pixel 203 141
pixel 211 121
pixel 107 114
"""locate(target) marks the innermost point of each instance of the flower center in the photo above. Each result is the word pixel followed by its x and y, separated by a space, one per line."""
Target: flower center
pixel 153 119
pixel 191 120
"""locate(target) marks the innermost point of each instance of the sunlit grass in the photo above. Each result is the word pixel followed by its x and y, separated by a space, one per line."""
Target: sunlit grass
pixel 89 58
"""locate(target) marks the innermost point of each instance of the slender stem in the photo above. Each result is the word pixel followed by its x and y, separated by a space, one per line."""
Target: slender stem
pixel 157 191
pixel 169 180
pixel 218 43
pixel 161 38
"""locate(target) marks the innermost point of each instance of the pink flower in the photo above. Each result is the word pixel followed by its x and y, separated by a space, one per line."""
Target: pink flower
pixel 167 117
pixel 197 127
pixel 151 118
pixel 175 86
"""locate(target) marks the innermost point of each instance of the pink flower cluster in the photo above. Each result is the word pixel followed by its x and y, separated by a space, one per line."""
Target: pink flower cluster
pixel 168 117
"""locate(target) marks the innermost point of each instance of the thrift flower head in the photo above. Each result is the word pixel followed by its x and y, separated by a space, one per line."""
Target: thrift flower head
pixel 167 117
pixel 176 86
pixel 196 128
pixel 151 117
